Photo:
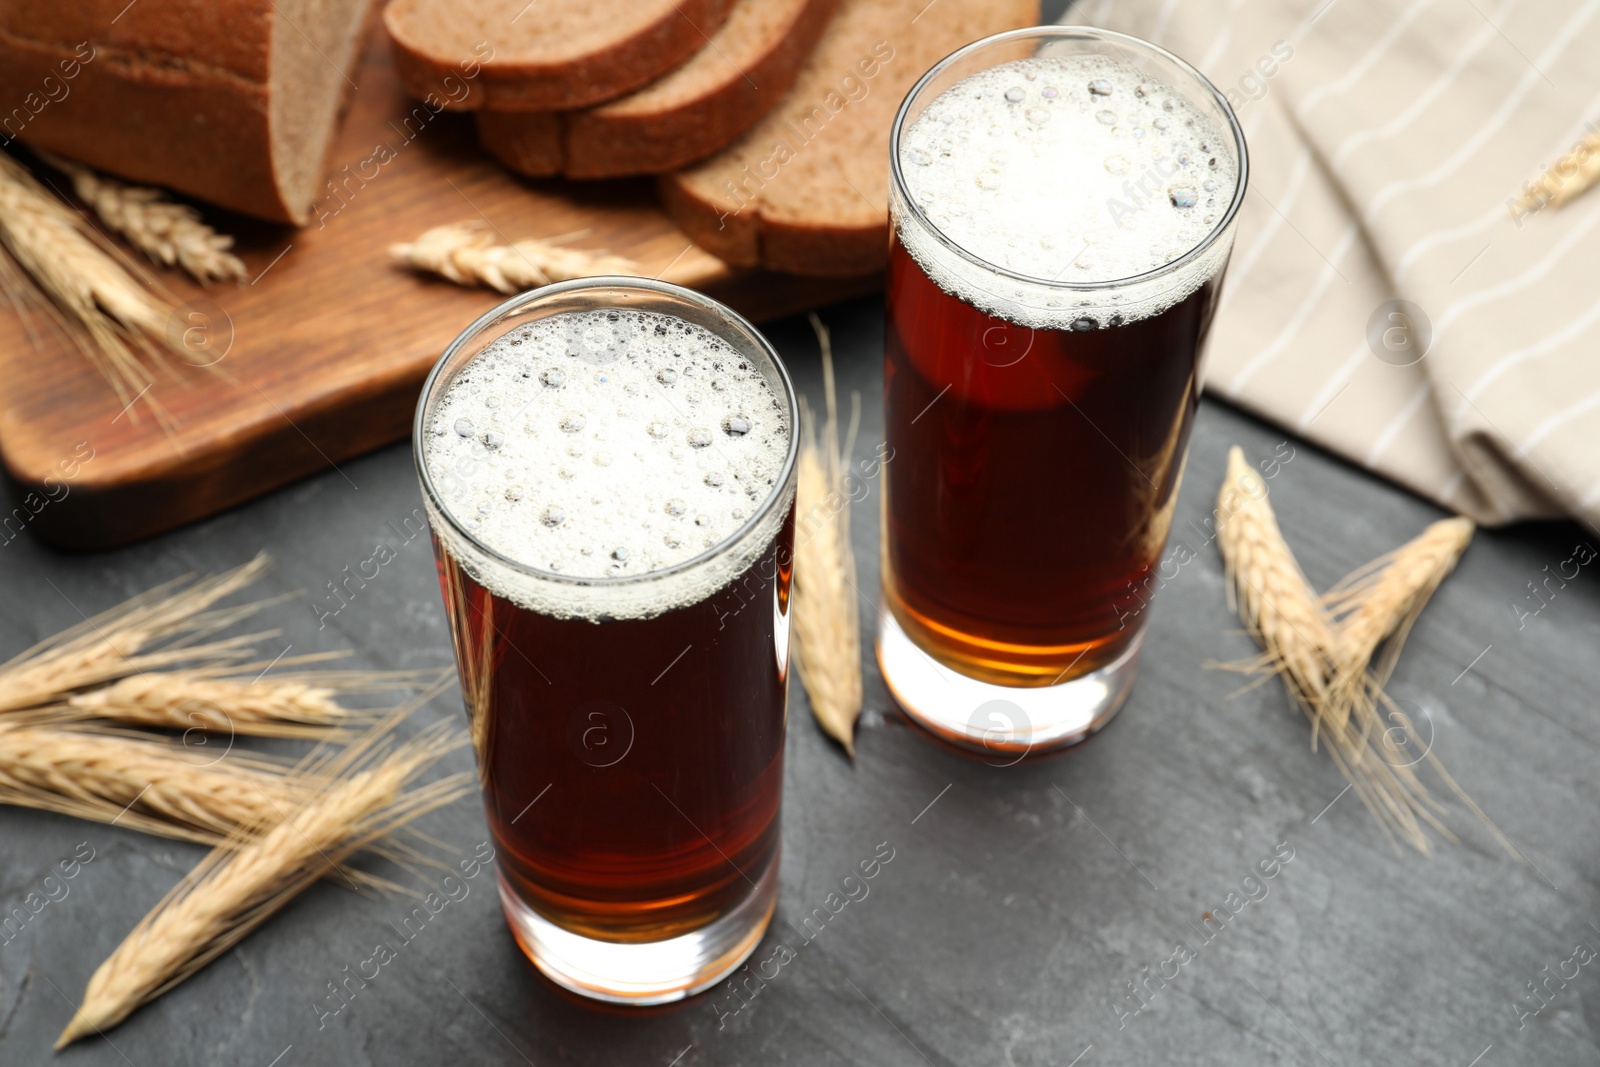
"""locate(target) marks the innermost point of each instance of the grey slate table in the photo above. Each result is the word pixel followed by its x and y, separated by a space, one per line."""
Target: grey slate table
pixel 1020 901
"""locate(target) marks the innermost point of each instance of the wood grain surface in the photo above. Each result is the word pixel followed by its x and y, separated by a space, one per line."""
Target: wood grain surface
pixel 320 355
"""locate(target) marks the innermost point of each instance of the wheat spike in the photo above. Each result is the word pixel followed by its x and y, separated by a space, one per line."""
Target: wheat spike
pixel 468 255
pixel 238 699
pixel 1380 601
pixel 1277 604
pixel 195 700
pixel 1323 647
pixel 113 319
pixel 1377 604
pixel 49 240
pixel 1282 612
pixel 120 641
pixel 186 683
pixel 1584 174
pixel 826 625
pixel 153 786
pixel 353 800
pixel 168 232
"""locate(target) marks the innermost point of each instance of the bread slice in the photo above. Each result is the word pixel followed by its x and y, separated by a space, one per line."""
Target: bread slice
pixel 688 114
pixel 807 189
pixel 233 103
pixel 543 55
pixel 532 143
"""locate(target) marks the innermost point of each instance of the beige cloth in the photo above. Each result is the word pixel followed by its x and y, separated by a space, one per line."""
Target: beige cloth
pixel 1388 155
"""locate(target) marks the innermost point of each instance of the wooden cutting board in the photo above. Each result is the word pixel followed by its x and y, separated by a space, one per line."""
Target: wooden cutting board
pixel 326 346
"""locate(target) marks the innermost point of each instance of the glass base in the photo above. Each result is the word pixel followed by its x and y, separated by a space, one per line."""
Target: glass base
pixel 653 972
pixel 1006 722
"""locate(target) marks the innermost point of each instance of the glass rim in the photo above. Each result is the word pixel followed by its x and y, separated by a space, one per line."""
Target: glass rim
pixel 1112 37
pixel 607 281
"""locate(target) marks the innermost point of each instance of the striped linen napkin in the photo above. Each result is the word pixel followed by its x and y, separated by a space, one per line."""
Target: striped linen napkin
pixel 1401 291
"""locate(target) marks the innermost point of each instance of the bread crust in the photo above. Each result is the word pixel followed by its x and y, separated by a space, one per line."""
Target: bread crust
pixel 223 37
pixel 530 143
pixel 637 134
pixel 159 101
pixel 507 84
pixel 732 236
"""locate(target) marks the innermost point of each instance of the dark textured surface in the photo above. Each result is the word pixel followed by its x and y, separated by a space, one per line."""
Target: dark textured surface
pixel 1005 928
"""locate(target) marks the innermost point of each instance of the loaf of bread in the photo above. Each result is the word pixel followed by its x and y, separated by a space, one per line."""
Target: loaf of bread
pixel 686 115
pixel 807 189
pixel 231 101
pixel 546 55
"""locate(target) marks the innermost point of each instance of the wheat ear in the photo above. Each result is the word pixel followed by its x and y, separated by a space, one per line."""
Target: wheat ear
pixel 1282 612
pixel 363 795
pixel 1377 604
pixel 170 233
pixel 1271 593
pixel 1584 174
pixel 238 699
pixel 121 641
pixel 153 786
pixel 1381 600
pixel 826 624
pixel 468 255
pixel 111 317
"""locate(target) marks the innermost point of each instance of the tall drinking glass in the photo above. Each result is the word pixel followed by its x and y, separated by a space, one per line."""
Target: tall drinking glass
pixel 608 467
pixel 1063 203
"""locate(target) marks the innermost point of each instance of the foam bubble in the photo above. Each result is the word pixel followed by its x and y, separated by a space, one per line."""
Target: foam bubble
pixel 613 439
pixel 1067 169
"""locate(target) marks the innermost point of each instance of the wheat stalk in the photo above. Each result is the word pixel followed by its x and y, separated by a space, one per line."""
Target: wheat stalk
pixel 110 317
pixel 362 796
pixel 826 625
pixel 122 641
pixel 168 232
pixel 153 786
pixel 468 255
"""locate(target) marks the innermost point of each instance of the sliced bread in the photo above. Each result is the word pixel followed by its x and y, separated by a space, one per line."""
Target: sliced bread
pixel 532 143
pixel 807 189
pixel 743 70
pixel 235 103
pixel 544 55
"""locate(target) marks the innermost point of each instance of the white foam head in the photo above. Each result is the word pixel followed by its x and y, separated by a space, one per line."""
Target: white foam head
pixel 1068 170
pixel 605 444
